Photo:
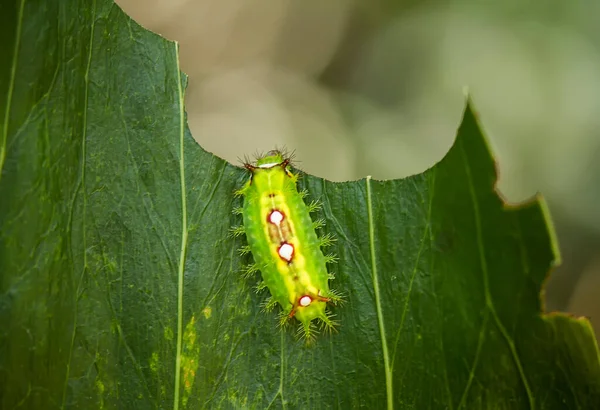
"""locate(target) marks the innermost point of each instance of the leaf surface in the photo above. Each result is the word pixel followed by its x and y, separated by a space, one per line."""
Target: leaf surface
pixel 121 288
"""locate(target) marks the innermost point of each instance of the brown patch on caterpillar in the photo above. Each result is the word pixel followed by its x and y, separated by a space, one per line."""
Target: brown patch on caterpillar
pixel 274 234
pixel 286 232
pixel 279 228
pixel 274 219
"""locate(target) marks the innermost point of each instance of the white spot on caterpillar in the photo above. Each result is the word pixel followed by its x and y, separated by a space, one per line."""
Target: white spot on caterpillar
pixel 269 165
pixel 276 217
pixel 305 301
pixel 286 251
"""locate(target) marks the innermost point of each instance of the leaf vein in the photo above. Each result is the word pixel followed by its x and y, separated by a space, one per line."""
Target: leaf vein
pixel 81 186
pixel 11 86
pixel 484 267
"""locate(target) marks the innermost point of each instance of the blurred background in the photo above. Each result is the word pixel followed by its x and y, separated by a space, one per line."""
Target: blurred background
pixel 377 88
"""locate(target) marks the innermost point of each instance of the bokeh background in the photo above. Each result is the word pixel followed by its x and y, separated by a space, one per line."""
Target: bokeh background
pixel 376 87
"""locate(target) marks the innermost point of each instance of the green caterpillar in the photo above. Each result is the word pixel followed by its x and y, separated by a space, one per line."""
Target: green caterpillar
pixel 281 237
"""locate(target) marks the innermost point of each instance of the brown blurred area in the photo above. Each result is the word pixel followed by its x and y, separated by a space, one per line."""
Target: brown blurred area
pixel 377 88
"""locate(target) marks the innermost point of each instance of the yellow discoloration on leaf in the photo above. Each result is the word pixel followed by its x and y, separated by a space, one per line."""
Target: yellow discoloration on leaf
pixel 100 387
pixel 207 312
pixel 189 359
pixel 154 362
pixel 168 333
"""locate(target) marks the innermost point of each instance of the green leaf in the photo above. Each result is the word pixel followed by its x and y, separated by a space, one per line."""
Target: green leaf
pixel 121 288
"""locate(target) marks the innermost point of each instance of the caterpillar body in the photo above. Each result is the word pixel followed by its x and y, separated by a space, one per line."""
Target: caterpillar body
pixel 286 249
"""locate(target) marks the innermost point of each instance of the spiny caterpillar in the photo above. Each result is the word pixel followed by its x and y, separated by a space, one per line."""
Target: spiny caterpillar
pixel 285 247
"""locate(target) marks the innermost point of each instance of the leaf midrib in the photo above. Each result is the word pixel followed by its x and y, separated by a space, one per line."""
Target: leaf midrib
pixel 184 234
pixel 384 346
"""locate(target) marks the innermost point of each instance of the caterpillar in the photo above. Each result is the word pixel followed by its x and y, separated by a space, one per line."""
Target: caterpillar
pixel 282 239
